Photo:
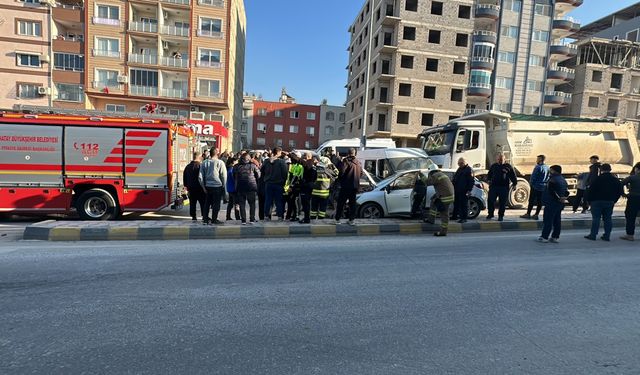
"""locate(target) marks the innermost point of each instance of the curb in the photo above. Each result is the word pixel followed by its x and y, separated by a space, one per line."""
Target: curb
pixel 198 232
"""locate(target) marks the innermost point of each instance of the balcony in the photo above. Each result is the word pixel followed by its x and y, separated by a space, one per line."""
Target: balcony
pixel 107 86
pixel 563 51
pixel 174 62
pixel 482 63
pixel 388 45
pixel 68 13
pixel 479 89
pixel 106 21
pixel 557 99
pixel 208 94
pixel 105 53
pixel 390 17
pixel 560 74
pixel 137 58
pixel 483 36
pixel 210 34
pixel 143 27
pixel 67 45
pixel 488 11
pixel 209 64
pixel 563 27
pixel 564 6
pixel 143 90
pixel 177 2
pixel 173 93
pixel 175 31
pixel 212 3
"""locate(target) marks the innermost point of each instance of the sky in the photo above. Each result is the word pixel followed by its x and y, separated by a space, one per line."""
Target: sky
pixel 302 45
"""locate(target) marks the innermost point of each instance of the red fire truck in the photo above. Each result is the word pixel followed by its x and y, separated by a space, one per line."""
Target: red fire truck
pixel 99 166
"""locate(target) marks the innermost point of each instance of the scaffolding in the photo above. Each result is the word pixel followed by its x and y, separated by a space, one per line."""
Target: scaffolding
pixel 609 53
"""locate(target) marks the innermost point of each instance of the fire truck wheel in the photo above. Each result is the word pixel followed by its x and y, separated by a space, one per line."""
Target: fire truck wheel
pixel 96 204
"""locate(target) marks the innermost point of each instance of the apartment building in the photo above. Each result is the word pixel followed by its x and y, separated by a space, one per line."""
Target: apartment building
pixel 408 67
pixel 518 50
pixel 332 122
pixel 182 58
pixel 285 124
pixel 607 68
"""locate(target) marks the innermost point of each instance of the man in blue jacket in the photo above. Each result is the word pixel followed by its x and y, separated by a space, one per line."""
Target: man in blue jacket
pixel 538 183
pixel 554 198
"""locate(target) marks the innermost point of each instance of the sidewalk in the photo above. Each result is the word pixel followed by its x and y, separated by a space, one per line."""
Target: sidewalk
pixel 169 225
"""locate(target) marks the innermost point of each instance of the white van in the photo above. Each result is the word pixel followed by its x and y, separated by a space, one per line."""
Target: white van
pixel 383 163
pixel 342 146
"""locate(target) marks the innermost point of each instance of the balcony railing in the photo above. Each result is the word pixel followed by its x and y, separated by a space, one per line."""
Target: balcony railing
pixel 138 58
pixel 105 53
pixel 101 85
pixel 175 31
pixel 209 64
pixel 559 94
pixel 68 6
pixel 174 62
pixel 210 34
pixel 173 93
pixel 563 69
pixel 178 2
pixel 208 94
pixel 143 27
pixel 106 21
pixel 143 90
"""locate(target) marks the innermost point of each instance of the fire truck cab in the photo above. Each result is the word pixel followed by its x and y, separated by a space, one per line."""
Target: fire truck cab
pixel 99 166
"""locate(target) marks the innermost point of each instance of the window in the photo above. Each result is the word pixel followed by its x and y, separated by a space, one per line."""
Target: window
pixel 459 67
pixel 543 10
pixel 427 119
pixel 464 11
pixel 29 28
pixel 108 12
pixel 68 61
pixel 509 31
pixel 180 113
pixel 632 35
pixel 596 76
pixel 480 77
pixel 540 36
pixel 210 3
pixel 343 117
pixel 210 27
pixel 403 117
pixel 308 144
pixel 311 116
pixel 107 47
pixel 292 143
pixel 279 142
pixel 512 5
pixel 27 90
pixel 507 57
pixel 432 65
pixel 594 102
pixel 106 78
pixel 209 88
pixel 115 108
pixel 533 85
pixel 24 59
pixel 261 141
pixel 293 129
pixel 330 116
pixel 406 62
pixel 71 93
pixel 209 57
pixel 262 127
pixel 409 33
pixel 436 8
pixel 311 130
pixel 456 95
pixel 278 113
pixel 262 112
pixel 278 128
pixel 434 36
pixel 502 107
pixel 429 92
pixel 140 77
pixel 405 89
pixel 616 81
pixel 462 40
pixel 535 60
pixel 294 114
pixel 411 5
pixel 531 110
pixel 504 83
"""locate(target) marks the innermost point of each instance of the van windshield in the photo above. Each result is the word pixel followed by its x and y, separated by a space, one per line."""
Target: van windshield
pixel 439 143
pixel 405 164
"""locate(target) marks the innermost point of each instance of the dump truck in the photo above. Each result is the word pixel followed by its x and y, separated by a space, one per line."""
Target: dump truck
pixel 98 166
pixel 568 142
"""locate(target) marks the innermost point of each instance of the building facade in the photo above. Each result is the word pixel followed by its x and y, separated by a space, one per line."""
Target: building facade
pixel 183 58
pixel 332 122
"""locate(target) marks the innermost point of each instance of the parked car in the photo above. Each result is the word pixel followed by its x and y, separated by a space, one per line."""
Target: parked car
pixel 393 196
pixel 382 163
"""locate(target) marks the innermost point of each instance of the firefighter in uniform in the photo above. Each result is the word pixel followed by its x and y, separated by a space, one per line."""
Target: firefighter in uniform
pixel 292 187
pixel 327 173
pixel 441 200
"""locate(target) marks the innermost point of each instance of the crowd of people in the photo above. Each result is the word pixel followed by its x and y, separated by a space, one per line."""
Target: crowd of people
pixel 292 186
pixel 299 187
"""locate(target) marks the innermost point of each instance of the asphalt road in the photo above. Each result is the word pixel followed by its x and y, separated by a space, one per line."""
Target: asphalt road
pixel 467 304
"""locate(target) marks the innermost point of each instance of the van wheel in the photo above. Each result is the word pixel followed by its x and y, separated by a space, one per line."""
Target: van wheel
pixel 371 211
pixel 97 205
pixel 519 197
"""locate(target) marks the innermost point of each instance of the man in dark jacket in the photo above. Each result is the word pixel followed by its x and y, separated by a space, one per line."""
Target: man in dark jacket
pixel 309 176
pixel 603 193
pixel 499 177
pixel 463 182
pixel 594 170
pixel 246 176
pixel 275 175
pixel 191 182
pixel 554 199
pixel 349 177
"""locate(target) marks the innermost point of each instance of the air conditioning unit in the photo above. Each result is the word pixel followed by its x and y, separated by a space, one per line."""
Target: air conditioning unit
pixel 216 117
pixel 44 90
pixel 197 116
pixel 45 58
pixel 194 108
pixel 123 79
pixel 165 45
pixel 162 109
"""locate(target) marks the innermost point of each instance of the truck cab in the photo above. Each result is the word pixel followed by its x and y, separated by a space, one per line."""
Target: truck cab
pixel 446 144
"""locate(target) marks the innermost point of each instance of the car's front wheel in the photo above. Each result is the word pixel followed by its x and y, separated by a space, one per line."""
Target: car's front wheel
pixel 371 211
pixel 475 207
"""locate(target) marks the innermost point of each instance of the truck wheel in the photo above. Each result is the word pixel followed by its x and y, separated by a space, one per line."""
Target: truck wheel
pixel 96 204
pixel 519 197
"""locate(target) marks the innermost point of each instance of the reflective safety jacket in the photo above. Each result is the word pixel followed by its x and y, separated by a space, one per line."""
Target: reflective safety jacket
pixel 442 184
pixel 327 174
pixel 294 177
